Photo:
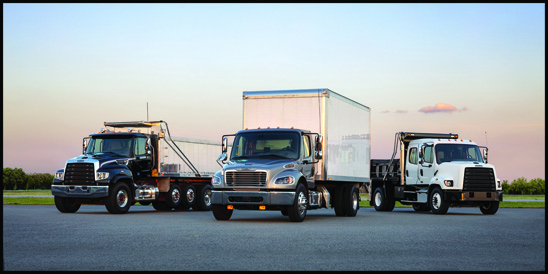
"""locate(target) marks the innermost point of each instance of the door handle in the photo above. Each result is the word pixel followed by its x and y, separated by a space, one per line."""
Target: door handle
pixel 421 172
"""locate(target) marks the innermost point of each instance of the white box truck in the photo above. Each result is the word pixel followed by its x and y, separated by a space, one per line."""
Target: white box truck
pixel 298 150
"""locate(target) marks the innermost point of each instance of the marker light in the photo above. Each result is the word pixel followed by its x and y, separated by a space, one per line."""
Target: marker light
pixel 262 207
pixel 230 207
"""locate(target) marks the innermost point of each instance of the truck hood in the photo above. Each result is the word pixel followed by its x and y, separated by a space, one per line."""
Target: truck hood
pixel 97 159
pixel 258 163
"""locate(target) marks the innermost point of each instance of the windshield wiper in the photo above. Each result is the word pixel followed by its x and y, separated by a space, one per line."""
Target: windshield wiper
pixel 239 157
pixel 272 155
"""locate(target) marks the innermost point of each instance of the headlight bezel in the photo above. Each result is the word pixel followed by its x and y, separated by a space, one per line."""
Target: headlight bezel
pixel 286 180
pixel 102 175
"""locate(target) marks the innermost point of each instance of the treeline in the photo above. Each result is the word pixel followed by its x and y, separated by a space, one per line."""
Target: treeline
pixel 522 186
pixel 17 179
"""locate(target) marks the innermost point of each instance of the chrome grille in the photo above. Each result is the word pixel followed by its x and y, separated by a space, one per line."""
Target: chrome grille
pixel 246 178
pixel 479 179
pixel 80 174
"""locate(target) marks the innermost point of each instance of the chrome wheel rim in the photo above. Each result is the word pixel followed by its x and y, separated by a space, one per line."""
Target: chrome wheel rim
pixel 378 199
pixel 207 198
pixel 122 198
pixel 190 195
pixel 436 200
pixel 175 195
pixel 302 203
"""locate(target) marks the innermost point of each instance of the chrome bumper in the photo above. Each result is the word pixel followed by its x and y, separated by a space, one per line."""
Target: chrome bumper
pixel 79 191
pixel 252 197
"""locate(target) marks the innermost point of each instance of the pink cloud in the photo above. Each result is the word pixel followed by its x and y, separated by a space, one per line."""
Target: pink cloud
pixel 440 107
pixel 401 111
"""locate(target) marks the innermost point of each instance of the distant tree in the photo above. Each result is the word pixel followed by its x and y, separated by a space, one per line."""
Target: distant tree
pixel 536 186
pixel 505 186
pixel 14 178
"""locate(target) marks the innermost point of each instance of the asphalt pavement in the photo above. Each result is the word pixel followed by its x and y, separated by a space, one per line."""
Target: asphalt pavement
pixel 38 237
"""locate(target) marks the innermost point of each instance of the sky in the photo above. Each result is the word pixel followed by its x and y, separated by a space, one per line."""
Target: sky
pixel 477 70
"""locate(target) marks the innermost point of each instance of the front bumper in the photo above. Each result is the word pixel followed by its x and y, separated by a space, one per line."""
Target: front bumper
pixel 71 191
pixel 252 197
pixel 473 196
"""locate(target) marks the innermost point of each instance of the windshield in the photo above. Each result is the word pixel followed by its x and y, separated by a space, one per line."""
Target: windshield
pixel 457 152
pixel 283 145
pixel 119 146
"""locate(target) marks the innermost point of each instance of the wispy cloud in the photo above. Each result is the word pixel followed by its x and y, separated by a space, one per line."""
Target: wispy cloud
pixel 441 107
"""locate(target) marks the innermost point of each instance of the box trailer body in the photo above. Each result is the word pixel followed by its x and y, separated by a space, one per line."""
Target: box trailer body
pixel 344 124
pixel 331 165
pixel 137 161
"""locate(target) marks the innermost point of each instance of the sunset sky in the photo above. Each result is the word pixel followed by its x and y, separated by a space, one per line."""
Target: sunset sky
pixel 473 69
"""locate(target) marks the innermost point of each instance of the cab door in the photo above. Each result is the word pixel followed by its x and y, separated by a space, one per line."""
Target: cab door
pixel 308 166
pixel 426 163
pixel 411 168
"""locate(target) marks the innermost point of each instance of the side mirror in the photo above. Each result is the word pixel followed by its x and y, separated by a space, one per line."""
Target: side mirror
pixel 484 154
pixel 319 140
pixel 222 157
pixel 318 155
pixel 85 144
pixel 147 145
pixel 224 146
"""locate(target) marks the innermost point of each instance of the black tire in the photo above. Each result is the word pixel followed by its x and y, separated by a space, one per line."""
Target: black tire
pixel 119 199
pixel 297 211
pixel 174 196
pixel 188 197
pixel 380 202
pixel 221 213
pixel 351 200
pixel 421 207
pixel 338 201
pixel 203 199
pixel 66 205
pixel 437 204
pixel 489 208
pixel 161 206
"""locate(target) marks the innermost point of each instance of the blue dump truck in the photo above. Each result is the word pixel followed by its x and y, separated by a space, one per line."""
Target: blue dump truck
pixel 138 161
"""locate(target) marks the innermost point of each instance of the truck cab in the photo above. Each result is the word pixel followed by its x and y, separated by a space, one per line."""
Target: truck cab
pixel 438 171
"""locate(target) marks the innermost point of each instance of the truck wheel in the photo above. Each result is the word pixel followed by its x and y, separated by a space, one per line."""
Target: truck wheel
pixel 382 203
pixel 119 199
pixel 173 196
pixel 489 208
pixel 66 205
pixel 351 201
pixel 297 211
pixel 161 206
pixel 189 196
pixel 421 207
pixel 203 200
pixel 437 204
pixel 338 201
pixel 221 213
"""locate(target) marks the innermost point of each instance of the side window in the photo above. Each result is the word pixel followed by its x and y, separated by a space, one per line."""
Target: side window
pixel 306 146
pixel 413 157
pixel 428 156
pixel 140 146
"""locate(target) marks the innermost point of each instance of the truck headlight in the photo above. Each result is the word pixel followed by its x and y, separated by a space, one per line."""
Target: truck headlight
pixel 102 175
pixel 60 176
pixel 448 182
pixel 215 180
pixel 285 180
